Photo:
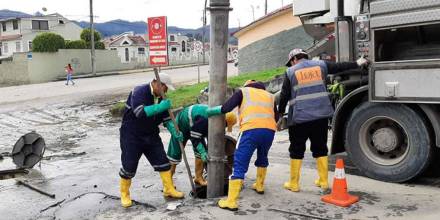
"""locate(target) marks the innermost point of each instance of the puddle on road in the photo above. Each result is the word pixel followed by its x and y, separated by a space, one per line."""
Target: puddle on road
pixel 62 126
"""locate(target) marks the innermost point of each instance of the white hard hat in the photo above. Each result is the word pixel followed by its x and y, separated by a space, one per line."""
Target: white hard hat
pixel 293 53
pixel 166 79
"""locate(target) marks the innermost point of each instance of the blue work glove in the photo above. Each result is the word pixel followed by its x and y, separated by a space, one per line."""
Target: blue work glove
pixel 217 110
pixel 202 151
pixel 174 133
pixel 156 109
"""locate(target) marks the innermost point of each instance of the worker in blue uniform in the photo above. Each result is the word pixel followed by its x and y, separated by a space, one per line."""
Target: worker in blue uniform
pixel 257 117
pixel 139 135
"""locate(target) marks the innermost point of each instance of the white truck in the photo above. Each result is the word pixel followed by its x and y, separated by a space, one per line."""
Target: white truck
pixel 388 121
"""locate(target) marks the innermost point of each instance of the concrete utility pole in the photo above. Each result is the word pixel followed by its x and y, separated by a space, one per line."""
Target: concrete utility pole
pixel 203 31
pixel 219 10
pixel 265 7
pixel 92 39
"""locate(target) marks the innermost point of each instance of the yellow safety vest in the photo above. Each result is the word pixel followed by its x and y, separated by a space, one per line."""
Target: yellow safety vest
pixel 256 110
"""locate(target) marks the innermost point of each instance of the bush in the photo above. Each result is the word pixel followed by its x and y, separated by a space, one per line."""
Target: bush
pixel 99 45
pixel 48 42
pixel 76 44
pixel 86 35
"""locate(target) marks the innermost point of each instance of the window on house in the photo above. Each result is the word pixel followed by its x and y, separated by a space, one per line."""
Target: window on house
pixel 18 46
pixel 141 50
pixel 113 48
pixel 125 43
pixel 40 25
pixel 60 21
pixel 172 38
pixel 30 45
pixel 4 26
pixel 5 48
pixel 15 24
pixel 183 46
pixel 173 49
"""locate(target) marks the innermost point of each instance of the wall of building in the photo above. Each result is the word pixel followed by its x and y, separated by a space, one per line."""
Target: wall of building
pixel 266 28
pixel 272 52
pixel 14 72
pixel 45 67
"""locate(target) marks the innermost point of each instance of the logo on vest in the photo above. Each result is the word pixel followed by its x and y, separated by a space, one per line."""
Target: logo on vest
pixel 308 75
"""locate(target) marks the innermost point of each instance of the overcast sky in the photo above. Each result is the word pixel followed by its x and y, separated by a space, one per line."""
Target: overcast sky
pixel 181 13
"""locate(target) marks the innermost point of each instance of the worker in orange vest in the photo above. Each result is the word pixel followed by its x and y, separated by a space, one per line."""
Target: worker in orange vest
pixel 257 119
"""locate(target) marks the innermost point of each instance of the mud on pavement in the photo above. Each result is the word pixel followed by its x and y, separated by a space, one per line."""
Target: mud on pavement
pixel 81 164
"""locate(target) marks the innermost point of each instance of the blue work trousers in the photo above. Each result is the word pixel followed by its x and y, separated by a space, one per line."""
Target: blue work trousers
pixel 260 139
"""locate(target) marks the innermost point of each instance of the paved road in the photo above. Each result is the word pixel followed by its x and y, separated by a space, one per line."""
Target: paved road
pixel 55 92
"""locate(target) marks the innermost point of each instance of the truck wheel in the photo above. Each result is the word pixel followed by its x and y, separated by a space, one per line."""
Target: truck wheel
pixel 388 142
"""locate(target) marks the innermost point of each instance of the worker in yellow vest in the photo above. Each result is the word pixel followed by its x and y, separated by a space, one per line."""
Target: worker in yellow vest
pixel 258 116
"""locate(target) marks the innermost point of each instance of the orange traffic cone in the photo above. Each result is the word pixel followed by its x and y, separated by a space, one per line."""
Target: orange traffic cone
pixel 339 195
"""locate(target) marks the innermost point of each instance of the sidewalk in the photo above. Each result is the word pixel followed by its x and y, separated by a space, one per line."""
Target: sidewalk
pixel 121 72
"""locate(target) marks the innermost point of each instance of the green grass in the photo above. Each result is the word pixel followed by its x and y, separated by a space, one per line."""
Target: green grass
pixel 187 95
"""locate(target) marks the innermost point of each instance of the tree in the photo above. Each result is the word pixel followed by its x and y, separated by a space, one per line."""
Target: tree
pixel 86 36
pixel 48 42
pixel 76 44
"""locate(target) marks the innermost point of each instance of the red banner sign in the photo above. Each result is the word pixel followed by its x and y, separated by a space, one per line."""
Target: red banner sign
pixel 158 40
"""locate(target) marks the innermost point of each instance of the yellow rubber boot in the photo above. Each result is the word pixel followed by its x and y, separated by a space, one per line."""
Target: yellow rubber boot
pixel 168 187
pixel 199 173
pixel 125 192
pixel 258 186
pixel 295 173
pixel 322 165
pixel 173 169
pixel 231 203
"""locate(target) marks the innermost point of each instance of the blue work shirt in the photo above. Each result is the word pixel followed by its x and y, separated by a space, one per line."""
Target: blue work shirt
pixel 135 119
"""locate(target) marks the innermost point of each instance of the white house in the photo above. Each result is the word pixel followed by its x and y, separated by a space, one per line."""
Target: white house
pixel 130 47
pixel 16 34
pixel 178 44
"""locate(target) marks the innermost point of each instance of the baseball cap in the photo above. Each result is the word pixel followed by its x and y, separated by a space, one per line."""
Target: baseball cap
pixel 293 53
pixel 166 79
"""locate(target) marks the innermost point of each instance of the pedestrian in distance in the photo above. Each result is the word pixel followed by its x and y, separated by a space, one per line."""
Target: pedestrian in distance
pixel 310 108
pixel 69 73
pixel 144 111
pixel 193 123
pixel 257 117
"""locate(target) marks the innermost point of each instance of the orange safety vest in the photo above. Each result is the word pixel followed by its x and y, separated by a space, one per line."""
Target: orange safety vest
pixel 256 110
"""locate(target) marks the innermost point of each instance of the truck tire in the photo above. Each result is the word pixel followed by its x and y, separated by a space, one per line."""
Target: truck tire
pixel 388 142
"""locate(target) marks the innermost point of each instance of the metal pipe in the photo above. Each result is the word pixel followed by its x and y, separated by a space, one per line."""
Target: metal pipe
pixel 340 8
pixel 173 119
pixel 36 189
pixel 217 95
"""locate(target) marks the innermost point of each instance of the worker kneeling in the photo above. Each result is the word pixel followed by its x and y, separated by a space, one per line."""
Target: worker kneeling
pixel 193 123
pixel 139 135
pixel 257 119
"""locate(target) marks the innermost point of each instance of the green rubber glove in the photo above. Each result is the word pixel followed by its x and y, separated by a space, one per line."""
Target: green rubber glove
pixel 217 110
pixel 176 134
pixel 156 109
pixel 202 151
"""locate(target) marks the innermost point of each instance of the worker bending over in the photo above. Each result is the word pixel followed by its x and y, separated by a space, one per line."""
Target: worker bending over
pixel 310 108
pixel 143 113
pixel 257 117
pixel 193 123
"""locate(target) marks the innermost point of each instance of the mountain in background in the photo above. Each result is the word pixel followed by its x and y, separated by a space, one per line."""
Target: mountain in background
pixel 116 27
pixel 5 13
